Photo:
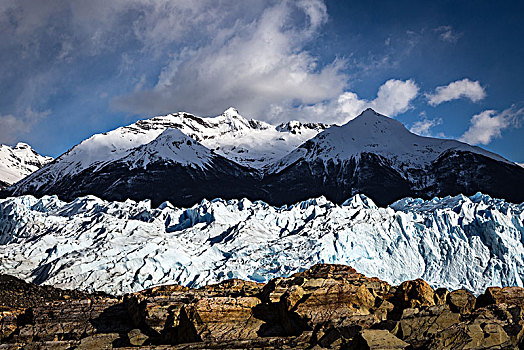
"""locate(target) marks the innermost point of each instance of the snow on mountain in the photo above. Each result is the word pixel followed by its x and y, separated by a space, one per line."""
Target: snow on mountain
pixel 374 133
pixel 172 145
pixel 247 142
pixel 251 143
pixel 18 162
pixel 120 247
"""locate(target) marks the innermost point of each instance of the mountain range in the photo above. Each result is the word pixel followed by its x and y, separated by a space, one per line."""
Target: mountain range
pixel 183 159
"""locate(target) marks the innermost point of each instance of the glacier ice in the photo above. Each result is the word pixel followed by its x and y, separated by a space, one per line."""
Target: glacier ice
pixel 118 247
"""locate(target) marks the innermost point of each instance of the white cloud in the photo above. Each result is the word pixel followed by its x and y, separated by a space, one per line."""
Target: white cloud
pixel 257 66
pixel 14 127
pixel 464 88
pixel 393 97
pixel 447 34
pixel 486 126
pixel 423 127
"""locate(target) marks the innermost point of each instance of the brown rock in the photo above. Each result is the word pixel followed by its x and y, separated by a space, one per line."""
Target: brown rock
pixel 343 331
pixel 416 327
pixel 377 339
pixel 157 312
pixel 73 320
pixel 506 295
pixel 461 301
pixel 333 303
pixel 136 337
pixel 232 288
pixel 484 336
pixel 414 294
pixel 98 341
pixel 221 318
pixel 8 321
pixel 441 295
pixel 327 306
pixel 383 309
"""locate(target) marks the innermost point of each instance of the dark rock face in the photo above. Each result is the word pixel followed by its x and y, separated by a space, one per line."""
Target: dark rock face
pixel 181 185
pixel 452 173
pixel 371 176
pixel 467 173
pixel 327 306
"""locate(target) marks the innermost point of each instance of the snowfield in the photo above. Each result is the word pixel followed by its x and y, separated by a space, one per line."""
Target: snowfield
pixel 120 247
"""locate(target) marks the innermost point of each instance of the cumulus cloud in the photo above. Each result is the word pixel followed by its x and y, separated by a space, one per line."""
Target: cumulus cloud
pixel 447 34
pixel 489 124
pixel 393 97
pixel 464 88
pixel 423 127
pixel 60 50
pixel 260 67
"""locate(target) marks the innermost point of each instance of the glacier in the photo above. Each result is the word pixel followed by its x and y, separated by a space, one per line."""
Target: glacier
pixel 120 247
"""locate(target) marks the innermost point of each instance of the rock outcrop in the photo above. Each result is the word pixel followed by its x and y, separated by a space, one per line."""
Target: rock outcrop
pixel 327 306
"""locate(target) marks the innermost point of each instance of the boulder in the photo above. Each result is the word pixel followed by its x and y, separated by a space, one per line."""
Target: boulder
pixel 461 301
pixel 497 295
pixel 414 294
pixel 220 318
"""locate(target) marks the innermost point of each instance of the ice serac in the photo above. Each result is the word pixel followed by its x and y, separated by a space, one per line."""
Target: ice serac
pixel 454 242
pixel 376 155
pixel 18 162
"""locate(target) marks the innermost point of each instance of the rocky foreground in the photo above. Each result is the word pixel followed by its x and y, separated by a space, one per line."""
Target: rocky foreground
pixel 327 306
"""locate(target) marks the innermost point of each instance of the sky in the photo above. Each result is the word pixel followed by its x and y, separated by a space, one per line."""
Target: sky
pixel 73 68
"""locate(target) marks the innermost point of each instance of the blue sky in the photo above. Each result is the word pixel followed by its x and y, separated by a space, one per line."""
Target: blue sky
pixel 453 69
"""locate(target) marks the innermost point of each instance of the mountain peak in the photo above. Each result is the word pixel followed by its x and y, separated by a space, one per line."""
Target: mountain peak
pixel 374 133
pixel 231 112
pixel 369 111
pixel 22 145
pixel 18 162
pixel 172 145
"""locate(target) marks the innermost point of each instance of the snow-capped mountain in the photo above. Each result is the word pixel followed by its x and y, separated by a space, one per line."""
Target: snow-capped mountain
pixel 378 156
pixel 372 154
pixel 246 143
pixel 18 162
pixel 120 247
pixel 375 133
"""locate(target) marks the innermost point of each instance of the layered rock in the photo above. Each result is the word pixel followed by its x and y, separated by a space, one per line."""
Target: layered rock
pixel 327 306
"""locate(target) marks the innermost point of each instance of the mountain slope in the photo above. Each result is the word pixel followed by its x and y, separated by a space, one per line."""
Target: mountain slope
pixel 119 247
pixel 18 162
pixel 377 156
pixel 172 166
